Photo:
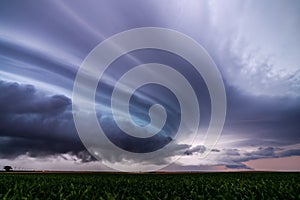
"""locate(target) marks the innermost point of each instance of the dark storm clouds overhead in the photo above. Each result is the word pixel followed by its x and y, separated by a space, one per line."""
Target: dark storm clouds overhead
pixel 24 99
pixel 35 124
pixel 38 125
pixel 44 44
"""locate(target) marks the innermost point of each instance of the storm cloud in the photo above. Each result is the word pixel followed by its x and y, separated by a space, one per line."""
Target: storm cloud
pixel 34 123
pixel 255 46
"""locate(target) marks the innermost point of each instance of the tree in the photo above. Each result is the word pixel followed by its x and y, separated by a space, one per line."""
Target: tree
pixel 7 168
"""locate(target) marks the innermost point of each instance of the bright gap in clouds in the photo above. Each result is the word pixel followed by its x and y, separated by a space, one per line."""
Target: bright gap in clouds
pixel 256 45
pixel 259 46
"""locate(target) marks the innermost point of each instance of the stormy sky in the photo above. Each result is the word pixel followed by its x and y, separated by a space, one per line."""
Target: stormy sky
pixel 255 45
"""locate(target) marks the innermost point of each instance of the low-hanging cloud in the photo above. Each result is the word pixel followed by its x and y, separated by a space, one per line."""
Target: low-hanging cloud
pixel 38 125
pixel 34 123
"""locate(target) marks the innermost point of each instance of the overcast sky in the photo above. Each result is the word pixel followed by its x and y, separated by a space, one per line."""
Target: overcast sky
pixel 255 45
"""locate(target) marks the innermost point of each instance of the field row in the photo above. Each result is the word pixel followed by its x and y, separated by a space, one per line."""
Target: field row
pixel 151 186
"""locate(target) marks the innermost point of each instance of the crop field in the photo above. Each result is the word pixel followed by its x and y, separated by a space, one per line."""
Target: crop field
pixel 90 186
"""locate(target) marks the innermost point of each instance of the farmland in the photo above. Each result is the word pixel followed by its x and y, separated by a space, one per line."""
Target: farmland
pixel 253 185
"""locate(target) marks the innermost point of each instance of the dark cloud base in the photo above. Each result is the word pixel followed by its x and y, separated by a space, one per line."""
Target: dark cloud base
pixel 39 125
pixel 35 124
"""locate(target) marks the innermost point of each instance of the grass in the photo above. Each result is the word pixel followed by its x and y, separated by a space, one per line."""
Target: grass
pixel 150 186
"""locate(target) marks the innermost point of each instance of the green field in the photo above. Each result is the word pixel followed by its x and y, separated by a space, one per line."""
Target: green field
pixel 150 186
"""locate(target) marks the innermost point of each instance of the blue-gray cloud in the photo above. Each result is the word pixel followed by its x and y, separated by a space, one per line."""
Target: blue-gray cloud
pixel 44 45
pixel 34 123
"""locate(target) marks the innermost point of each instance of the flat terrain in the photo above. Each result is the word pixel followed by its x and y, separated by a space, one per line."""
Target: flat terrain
pixel 253 185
